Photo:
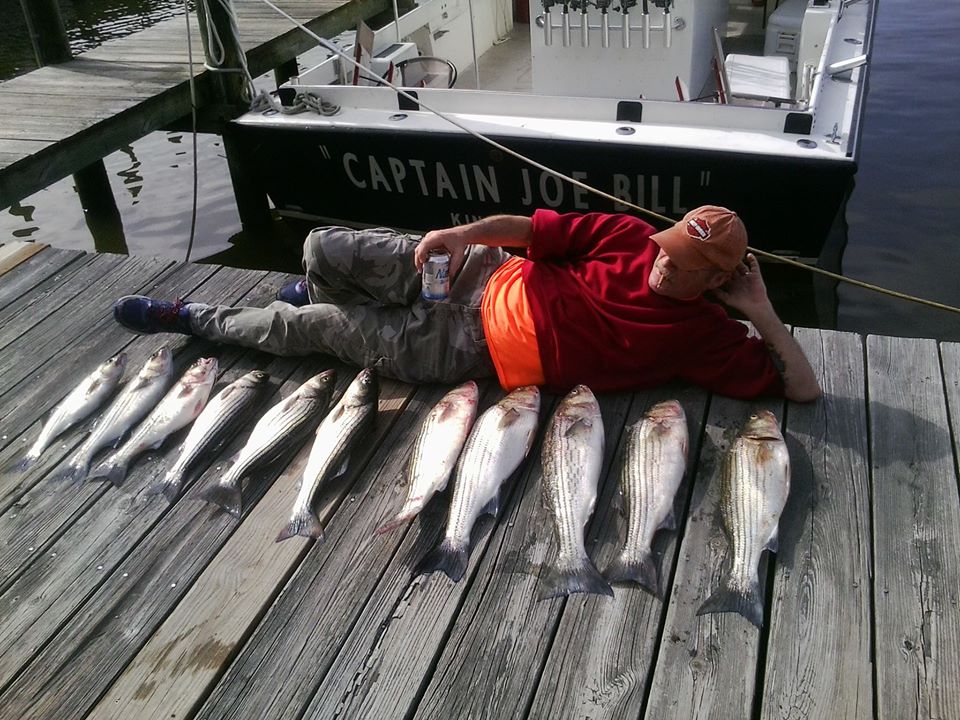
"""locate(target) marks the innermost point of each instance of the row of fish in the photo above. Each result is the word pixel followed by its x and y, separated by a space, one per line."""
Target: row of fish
pixel 482 456
pixel 153 409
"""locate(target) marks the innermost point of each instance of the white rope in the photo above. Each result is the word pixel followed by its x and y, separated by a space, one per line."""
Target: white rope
pixel 193 119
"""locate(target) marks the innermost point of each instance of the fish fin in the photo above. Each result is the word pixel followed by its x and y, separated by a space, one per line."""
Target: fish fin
pixel 401 518
pixel 226 496
pixel 306 524
pixel 641 570
pixel 168 486
pixel 669 522
pixel 728 598
pixel 509 418
pixel 773 544
pixel 578 426
pixel 492 507
pixel 113 472
pixel 583 578
pixel 28 462
pixel 451 560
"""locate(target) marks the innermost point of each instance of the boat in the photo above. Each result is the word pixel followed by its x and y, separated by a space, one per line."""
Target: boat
pixel 662 104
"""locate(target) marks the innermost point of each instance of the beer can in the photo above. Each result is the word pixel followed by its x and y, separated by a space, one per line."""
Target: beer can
pixel 436 277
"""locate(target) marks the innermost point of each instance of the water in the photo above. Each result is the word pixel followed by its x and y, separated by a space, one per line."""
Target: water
pixel 901 218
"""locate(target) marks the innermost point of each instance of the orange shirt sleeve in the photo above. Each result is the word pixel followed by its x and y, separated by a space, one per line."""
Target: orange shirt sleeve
pixel 509 329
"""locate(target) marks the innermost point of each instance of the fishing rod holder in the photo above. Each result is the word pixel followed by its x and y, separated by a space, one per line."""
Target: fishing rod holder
pixel 566 26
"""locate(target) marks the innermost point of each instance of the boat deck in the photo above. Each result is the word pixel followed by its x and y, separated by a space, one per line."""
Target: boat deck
pixel 116 605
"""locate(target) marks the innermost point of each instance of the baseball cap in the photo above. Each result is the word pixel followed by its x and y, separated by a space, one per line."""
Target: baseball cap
pixel 707 237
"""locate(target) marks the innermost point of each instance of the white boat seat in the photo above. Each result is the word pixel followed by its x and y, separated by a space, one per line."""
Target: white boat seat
pixel 761 77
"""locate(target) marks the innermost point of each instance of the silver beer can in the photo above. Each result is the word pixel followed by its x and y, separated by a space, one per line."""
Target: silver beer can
pixel 436 277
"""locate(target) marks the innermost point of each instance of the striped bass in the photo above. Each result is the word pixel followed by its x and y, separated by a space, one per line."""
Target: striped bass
pixel 178 408
pixel 135 400
pixel 499 442
pixel 281 427
pixel 755 485
pixel 654 465
pixel 82 400
pixel 222 416
pixel 572 458
pixel 342 429
pixel 436 449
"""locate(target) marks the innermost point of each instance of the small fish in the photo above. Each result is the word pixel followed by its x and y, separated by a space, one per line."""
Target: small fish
pixel 572 458
pixel 82 400
pixel 222 416
pixel 280 428
pixel 654 463
pixel 499 442
pixel 755 485
pixel 134 401
pixel 179 407
pixel 436 449
pixel 339 433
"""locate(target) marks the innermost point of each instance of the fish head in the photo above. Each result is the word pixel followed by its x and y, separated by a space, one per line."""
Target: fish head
pixel 364 389
pixel 160 363
pixel 114 367
pixel 579 403
pixel 202 371
pixel 762 425
pixel 319 385
pixel 667 414
pixel 467 392
pixel 523 398
pixel 254 379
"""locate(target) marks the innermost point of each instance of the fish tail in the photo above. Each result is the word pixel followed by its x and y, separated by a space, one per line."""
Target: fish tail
pixel 115 472
pixel 731 598
pixel 28 461
pixel 168 486
pixel 226 496
pixel 641 570
pixel 306 524
pixel 581 578
pixel 74 472
pixel 446 556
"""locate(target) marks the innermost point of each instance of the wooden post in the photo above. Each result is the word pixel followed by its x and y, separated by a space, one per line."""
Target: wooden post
pixel 50 46
pixel 47 33
pixel 228 90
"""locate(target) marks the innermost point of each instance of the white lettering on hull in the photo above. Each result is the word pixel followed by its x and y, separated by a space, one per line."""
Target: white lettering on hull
pixel 475 183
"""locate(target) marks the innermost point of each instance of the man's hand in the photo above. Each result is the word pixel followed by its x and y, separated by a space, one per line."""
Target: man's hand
pixel 450 240
pixel 745 290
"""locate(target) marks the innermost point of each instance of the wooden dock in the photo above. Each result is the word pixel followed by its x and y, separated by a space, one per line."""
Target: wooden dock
pixel 118 605
pixel 59 119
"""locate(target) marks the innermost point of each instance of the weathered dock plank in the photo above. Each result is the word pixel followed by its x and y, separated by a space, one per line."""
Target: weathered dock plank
pixel 818 662
pixel 605 650
pixel 707 665
pixel 12 254
pixel 229 598
pixel 501 636
pixel 916 528
pixel 18 282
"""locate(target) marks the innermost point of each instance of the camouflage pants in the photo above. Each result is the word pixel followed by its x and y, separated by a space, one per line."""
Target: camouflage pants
pixel 366 309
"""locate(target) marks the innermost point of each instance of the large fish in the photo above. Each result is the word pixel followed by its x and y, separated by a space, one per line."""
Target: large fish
pixel 222 416
pixel 82 400
pixel 653 467
pixel 756 482
pixel 136 399
pixel 436 449
pixel 498 443
pixel 179 407
pixel 572 458
pixel 339 433
pixel 280 428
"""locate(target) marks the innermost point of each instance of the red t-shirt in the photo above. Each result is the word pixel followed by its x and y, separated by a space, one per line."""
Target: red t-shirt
pixel 599 323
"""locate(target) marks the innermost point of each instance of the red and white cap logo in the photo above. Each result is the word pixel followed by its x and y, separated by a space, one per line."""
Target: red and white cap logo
pixel 698 229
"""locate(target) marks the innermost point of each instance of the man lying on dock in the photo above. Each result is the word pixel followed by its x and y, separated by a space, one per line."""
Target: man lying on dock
pixel 599 299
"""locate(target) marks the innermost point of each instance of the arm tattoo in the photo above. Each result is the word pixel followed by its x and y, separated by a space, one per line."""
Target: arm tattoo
pixel 777 360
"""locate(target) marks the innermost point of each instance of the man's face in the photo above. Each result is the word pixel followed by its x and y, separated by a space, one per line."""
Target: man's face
pixel 670 281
